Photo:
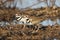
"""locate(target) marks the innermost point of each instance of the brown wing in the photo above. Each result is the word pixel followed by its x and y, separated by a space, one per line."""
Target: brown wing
pixel 36 20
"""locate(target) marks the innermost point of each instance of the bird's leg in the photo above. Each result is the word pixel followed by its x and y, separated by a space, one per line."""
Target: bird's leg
pixel 24 26
pixel 38 26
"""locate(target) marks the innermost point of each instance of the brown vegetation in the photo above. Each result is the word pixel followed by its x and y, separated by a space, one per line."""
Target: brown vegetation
pixel 18 32
pixel 32 13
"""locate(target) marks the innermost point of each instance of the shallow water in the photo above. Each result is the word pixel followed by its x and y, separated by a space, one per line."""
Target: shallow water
pixel 44 23
pixel 48 22
pixel 28 3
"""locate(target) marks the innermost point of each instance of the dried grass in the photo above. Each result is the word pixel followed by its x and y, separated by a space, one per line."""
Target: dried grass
pixel 18 32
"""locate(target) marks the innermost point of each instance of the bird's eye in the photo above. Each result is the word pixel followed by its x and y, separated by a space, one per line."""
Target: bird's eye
pixel 27 19
pixel 18 17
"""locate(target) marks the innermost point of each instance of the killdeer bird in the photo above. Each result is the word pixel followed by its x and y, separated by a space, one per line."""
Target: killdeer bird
pixel 24 19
